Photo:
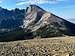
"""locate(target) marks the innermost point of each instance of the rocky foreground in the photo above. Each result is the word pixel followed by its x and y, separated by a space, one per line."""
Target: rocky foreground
pixel 64 46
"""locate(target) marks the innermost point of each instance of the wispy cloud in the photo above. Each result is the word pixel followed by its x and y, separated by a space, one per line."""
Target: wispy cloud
pixel 22 2
pixel 0 1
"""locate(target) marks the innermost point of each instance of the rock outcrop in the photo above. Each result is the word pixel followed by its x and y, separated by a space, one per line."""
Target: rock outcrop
pixel 44 24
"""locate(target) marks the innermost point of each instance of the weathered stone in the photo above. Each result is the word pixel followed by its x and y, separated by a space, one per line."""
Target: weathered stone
pixel 42 23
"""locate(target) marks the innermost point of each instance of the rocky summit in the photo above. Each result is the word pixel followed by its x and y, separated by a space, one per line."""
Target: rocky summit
pixel 45 24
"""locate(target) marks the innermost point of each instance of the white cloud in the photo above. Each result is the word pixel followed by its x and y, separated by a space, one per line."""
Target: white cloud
pixel 22 2
pixel 0 1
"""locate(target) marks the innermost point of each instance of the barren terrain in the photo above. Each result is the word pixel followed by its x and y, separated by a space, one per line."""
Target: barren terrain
pixel 57 46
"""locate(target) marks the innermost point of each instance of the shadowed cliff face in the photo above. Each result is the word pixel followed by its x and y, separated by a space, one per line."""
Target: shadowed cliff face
pixel 43 23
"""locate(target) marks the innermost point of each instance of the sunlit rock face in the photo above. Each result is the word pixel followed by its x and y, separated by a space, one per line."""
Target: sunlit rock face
pixel 43 23
pixel 32 16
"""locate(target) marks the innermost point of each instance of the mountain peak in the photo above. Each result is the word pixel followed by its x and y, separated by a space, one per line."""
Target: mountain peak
pixel 36 6
pixel 45 23
pixel 33 5
pixel 33 8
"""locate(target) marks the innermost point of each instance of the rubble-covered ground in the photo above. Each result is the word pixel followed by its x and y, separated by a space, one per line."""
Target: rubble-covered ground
pixel 57 46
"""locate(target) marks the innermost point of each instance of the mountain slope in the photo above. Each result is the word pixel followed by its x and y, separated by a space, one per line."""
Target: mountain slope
pixel 37 23
pixel 11 18
pixel 43 23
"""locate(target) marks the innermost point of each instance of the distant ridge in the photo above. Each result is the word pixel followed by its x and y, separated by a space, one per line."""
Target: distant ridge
pixel 11 18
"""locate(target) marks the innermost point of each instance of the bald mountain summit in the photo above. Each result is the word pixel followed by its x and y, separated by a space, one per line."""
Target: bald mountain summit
pixel 45 24
pixel 35 22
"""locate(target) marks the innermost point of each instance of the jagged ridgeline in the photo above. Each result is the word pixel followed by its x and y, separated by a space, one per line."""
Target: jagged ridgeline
pixel 34 22
pixel 45 24
pixel 10 22
pixel 11 18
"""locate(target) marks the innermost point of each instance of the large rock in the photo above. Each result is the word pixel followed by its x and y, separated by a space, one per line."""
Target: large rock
pixel 43 23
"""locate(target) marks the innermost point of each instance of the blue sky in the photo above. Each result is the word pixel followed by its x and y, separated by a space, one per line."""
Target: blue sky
pixel 61 8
